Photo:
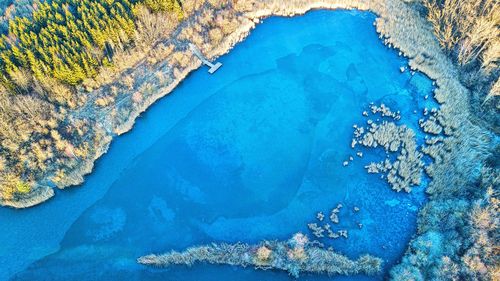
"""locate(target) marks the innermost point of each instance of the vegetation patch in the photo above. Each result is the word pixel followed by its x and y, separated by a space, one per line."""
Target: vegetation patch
pixel 294 256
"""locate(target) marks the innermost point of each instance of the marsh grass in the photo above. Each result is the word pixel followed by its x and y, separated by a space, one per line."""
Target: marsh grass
pixel 467 28
pixel 294 256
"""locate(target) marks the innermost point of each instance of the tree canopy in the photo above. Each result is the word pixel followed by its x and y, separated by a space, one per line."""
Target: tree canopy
pixel 68 39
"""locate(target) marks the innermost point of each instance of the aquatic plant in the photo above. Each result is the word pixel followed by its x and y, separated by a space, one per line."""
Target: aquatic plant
pixel 406 170
pixel 295 256
pixel 263 256
pixel 27 121
pixel 494 91
pixel 384 111
pixel 318 230
pixel 334 213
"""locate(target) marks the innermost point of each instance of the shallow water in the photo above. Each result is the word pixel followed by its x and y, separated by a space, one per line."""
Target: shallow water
pixel 250 153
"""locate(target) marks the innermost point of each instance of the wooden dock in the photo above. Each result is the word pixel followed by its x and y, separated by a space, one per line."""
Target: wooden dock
pixel 212 67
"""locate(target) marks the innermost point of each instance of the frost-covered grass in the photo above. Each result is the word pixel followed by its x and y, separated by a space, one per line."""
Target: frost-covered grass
pixel 294 256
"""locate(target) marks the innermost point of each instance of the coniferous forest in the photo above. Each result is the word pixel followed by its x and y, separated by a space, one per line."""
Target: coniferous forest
pixel 274 127
pixel 66 41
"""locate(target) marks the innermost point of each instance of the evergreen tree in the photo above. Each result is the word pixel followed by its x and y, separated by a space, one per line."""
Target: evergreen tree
pixel 70 39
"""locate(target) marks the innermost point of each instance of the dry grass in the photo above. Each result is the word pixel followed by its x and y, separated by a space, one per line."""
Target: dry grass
pixel 278 255
pixel 152 27
pixel 468 28
pixel 495 90
pixel 481 258
pixel 25 123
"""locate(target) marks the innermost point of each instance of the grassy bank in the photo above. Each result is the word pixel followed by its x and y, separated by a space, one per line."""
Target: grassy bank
pixel 59 113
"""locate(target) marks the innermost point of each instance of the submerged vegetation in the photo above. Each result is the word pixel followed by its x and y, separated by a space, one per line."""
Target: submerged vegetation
pixel 295 256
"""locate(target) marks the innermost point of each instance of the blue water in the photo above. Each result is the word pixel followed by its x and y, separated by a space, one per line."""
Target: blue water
pixel 250 153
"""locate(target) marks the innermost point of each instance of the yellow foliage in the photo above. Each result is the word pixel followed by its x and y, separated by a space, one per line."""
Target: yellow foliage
pixel 189 6
pixel 58 176
pixel 495 90
pixel 481 218
pixel 160 53
pixel 22 78
pixel 152 27
pixel 23 187
pixel 2 164
pixel 216 35
pixel 104 101
pixel 11 184
pixel 263 255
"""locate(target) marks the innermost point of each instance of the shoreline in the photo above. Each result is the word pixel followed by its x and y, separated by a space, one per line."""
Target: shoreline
pixel 391 28
pixel 86 166
pixel 455 158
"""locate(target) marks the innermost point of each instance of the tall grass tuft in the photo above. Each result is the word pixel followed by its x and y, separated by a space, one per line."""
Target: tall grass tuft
pixel 468 29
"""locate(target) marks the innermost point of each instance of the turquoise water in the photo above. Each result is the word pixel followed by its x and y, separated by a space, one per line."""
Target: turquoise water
pixel 250 153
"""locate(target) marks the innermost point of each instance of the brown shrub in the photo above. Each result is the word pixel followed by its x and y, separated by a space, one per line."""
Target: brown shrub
pixel 469 28
pixel 152 27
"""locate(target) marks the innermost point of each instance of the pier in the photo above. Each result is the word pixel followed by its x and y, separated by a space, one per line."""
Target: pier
pixel 197 52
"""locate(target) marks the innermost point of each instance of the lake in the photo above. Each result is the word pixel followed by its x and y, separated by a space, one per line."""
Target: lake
pixel 252 152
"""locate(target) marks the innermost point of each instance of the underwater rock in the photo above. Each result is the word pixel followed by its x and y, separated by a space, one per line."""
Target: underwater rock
pixel 295 256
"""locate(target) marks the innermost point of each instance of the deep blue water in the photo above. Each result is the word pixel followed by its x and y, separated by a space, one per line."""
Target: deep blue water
pixel 250 153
